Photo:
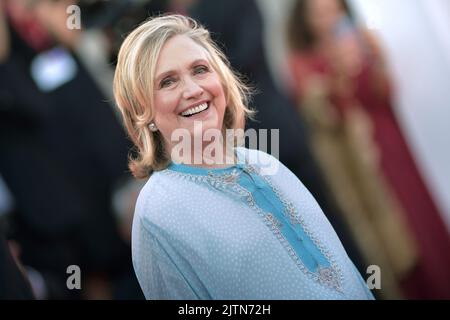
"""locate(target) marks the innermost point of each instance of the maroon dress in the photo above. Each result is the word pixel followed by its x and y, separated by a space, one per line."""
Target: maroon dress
pixel 431 277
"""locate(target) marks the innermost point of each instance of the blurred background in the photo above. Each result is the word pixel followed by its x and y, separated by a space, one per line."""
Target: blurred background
pixel 358 89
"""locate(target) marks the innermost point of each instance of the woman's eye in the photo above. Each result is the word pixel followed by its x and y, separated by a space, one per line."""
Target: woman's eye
pixel 166 82
pixel 200 69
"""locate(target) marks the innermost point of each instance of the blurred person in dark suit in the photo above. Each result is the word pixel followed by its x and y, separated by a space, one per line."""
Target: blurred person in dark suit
pixel 63 151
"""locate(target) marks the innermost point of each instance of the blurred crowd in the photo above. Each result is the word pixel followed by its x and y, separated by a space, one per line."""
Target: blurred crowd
pixel 67 197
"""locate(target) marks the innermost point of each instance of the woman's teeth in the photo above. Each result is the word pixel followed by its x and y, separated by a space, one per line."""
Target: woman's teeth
pixel 195 110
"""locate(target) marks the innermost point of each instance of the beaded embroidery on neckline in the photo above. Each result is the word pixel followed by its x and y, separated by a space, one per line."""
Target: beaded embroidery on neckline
pixel 227 182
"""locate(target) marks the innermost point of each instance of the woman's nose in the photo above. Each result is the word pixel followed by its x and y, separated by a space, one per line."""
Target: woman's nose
pixel 191 89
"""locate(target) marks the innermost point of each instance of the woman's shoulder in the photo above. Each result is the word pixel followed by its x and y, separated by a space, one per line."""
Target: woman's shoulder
pixel 156 196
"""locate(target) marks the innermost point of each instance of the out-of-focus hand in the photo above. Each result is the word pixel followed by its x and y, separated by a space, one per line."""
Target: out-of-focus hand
pixel 53 15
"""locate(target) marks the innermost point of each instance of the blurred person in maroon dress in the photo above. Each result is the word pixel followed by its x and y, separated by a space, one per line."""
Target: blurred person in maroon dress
pixel 329 48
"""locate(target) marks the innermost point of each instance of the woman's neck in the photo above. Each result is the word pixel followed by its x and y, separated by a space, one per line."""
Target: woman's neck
pixel 209 155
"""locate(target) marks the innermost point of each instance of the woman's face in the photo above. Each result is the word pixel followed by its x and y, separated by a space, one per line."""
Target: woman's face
pixel 187 89
pixel 324 15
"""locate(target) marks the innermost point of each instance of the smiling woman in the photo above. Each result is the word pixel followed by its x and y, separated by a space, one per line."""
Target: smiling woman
pixel 150 58
pixel 187 89
pixel 204 231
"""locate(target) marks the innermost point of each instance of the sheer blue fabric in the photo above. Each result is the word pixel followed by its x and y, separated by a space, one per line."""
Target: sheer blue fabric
pixel 238 233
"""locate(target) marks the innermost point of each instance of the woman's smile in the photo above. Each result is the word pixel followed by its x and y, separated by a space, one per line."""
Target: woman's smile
pixel 195 110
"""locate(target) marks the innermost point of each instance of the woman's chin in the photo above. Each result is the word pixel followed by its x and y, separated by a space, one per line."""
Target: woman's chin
pixel 202 124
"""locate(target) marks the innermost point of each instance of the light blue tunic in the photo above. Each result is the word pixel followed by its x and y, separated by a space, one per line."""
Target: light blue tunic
pixel 251 231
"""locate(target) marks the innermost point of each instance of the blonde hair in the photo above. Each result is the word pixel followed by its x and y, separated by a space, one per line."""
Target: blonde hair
pixel 134 80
